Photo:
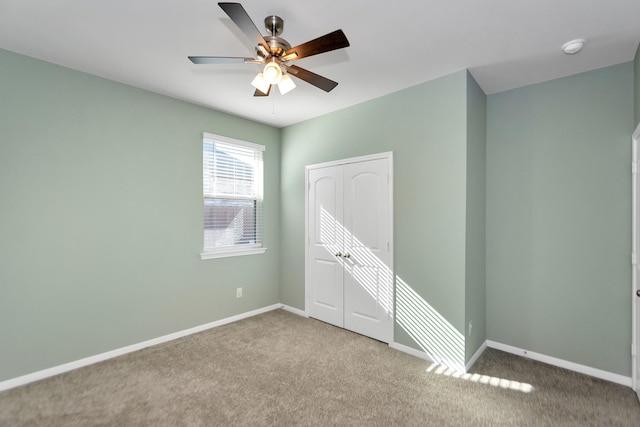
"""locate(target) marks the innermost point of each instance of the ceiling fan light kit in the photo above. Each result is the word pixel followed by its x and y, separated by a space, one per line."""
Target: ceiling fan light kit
pixel 260 83
pixel 286 84
pixel 276 52
pixel 272 73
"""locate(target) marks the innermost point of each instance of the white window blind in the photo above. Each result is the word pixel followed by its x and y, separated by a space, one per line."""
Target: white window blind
pixel 232 195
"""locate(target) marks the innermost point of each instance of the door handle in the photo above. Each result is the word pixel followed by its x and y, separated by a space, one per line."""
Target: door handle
pixel 339 254
pixel 348 256
pixel 638 293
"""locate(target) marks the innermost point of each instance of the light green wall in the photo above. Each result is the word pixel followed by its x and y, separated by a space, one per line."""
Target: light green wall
pixel 100 221
pixel 475 304
pixel 636 71
pixel 425 127
pixel 559 218
pixel 99 224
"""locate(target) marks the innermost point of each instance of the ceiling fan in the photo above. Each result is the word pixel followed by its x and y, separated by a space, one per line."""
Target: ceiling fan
pixel 276 53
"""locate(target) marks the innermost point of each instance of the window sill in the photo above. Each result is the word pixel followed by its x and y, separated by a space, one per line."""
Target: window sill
pixel 232 252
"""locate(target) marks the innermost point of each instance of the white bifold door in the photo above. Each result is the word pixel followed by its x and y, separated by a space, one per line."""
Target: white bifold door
pixel 349 255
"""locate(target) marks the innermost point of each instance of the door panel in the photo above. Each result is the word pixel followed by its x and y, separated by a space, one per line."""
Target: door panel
pixel 326 300
pixel 368 280
pixel 327 283
pixel 363 301
pixel 365 213
pixel 324 197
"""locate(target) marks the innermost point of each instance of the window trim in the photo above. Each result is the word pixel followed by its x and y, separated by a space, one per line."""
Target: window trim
pixel 231 251
pixel 213 137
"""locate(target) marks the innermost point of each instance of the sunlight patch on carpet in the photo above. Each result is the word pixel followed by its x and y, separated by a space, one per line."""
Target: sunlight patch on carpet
pixel 438 369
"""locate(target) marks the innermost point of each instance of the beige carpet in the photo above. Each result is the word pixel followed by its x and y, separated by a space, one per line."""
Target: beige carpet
pixel 281 369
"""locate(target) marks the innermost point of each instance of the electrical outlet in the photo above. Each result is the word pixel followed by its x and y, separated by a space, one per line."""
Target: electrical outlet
pixel 239 293
pixel 470 327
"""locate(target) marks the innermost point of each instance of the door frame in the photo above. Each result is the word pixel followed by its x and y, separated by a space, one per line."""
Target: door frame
pixel 307 282
pixel 635 285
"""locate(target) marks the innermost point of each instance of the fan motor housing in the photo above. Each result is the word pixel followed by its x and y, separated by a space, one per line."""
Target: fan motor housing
pixel 277 45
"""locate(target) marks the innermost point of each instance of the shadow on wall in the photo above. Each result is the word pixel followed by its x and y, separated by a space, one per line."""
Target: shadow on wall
pixel 438 338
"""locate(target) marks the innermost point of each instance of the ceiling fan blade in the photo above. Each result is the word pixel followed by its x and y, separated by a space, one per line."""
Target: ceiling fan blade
pixel 312 78
pixel 222 60
pixel 259 93
pixel 326 43
pixel 241 18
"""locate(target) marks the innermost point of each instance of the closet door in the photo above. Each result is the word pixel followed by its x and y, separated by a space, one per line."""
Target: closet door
pixel 368 279
pixel 325 209
pixel 349 279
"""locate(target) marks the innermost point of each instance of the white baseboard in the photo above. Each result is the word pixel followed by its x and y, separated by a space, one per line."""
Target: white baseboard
pixel 476 356
pixel 423 355
pixel 412 351
pixel 294 310
pixel 583 369
pixel 49 372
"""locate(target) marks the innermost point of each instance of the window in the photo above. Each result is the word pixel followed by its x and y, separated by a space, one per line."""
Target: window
pixel 232 197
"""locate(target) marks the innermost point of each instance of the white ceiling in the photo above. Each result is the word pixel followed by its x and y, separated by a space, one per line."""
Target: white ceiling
pixel 394 45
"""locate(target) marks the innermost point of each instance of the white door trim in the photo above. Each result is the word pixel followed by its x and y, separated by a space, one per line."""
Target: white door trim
pixel 385 155
pixel 635 286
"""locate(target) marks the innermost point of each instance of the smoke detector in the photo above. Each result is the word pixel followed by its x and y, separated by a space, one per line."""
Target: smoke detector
pixel 572 47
